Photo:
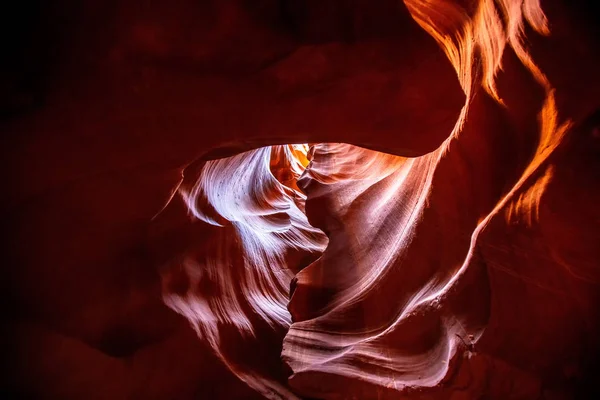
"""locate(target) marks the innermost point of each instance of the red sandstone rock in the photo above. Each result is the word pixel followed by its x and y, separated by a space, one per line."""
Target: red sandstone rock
pixel 135 268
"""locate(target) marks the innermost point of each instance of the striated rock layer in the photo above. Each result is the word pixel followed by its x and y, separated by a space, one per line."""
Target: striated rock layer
pixel 302 199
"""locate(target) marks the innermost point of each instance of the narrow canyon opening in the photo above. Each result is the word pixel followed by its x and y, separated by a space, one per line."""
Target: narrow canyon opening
pixel 304 239
pixel 300 199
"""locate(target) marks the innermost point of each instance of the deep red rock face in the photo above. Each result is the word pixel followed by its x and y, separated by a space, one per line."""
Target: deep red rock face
pixel 301 199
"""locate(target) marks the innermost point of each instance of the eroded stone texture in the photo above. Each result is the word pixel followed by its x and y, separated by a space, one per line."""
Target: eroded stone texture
pixel 469 271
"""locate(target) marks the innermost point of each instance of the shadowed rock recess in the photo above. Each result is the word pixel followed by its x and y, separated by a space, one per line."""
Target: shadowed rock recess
pixel 300 199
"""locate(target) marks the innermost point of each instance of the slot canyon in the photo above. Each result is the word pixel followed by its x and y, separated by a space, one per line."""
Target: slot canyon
pixel 300 199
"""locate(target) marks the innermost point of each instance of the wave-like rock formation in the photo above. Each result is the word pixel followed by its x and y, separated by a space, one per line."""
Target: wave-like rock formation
pixel 313 199
pixel 237 278
pixel 405 282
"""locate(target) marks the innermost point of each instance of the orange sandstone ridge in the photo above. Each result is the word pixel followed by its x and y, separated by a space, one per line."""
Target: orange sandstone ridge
pixel 302 200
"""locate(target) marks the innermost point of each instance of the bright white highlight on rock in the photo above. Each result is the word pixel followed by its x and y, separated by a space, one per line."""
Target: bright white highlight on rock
pixel 241 279
pixel 384 305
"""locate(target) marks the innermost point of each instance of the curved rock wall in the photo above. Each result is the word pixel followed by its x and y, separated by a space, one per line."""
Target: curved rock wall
pixel 436 238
